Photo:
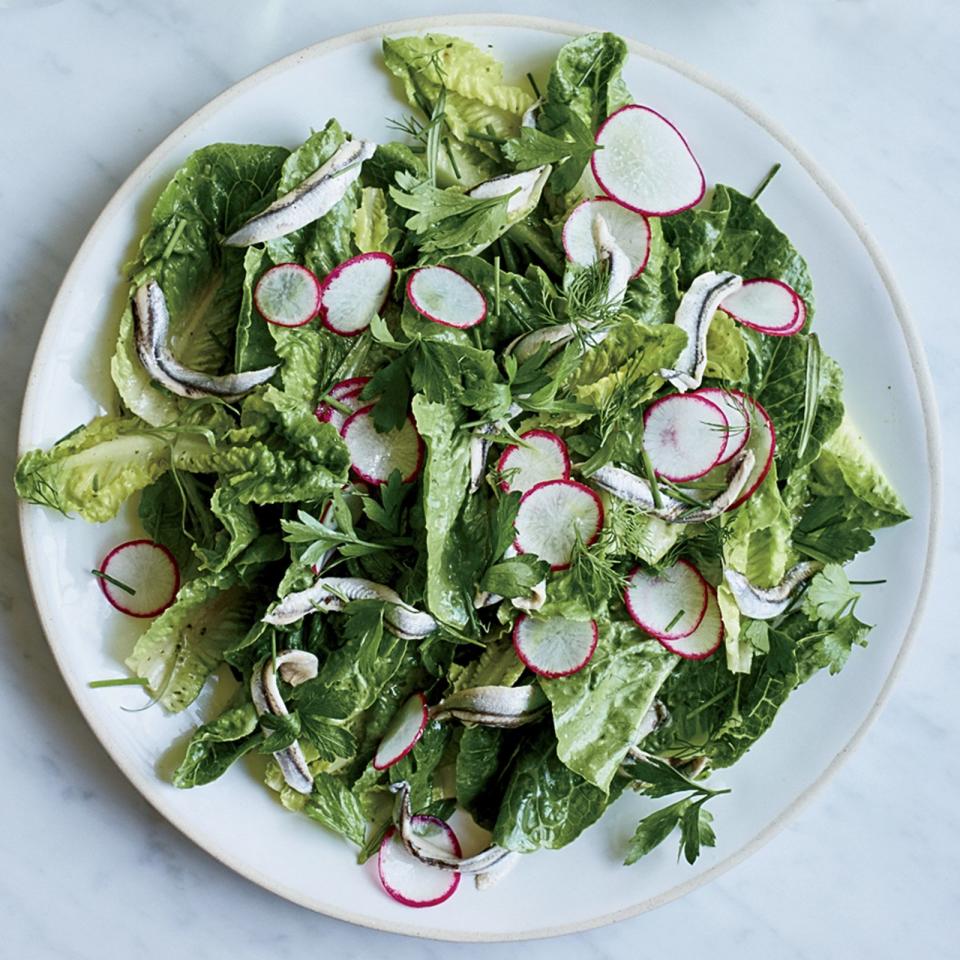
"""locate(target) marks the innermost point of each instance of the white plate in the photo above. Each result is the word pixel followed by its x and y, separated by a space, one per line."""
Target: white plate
pixel 860 319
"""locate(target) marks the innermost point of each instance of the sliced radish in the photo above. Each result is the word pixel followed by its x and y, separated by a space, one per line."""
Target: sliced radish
pixel 630 231
pixel 354 293
pixel 644 163
pixel 287 295
pixel 767 305
pixel 147 568
pixel 553 515
pixel 446 297
pixel 554 646
pixel 404 731
pixel 685 435
pixel 376 455
pixel 411 881
pixel 705 639
pixel 543 457
pixel 347 394
pixel 670 604
pixel 737 412
pixel 762 441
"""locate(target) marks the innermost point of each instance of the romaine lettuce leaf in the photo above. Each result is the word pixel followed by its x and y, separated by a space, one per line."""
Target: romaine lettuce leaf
pixel 215 746
pixel 598 711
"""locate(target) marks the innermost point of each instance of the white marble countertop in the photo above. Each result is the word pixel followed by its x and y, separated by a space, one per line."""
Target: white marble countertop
pixel 870 87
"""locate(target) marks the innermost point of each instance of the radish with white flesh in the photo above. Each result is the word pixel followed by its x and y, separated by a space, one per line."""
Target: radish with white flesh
pixel 735 409
pixel 668 604
pixel 761 442
pixel 404 732
pixel 555 646
pixel 407 879
pixel 767 305
pixel 630 231
pixel 685 436
pixel 376 455
pixel 354 293
pixel 287 295
pixel 705 639
pixel 644 163
pixel 445 296
pixel 543 456
pixel 346 394
pixel 553 516
pixel 146 568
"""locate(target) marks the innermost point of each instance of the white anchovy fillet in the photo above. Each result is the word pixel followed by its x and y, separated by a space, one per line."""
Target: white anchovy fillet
pixel 494 874
pixel 635 490
pixel 328 593
pixel 493 706
pixel 528 186
pixel 694 316
pixel 309 200
pixel 435 856
pixel 534 601
pixel 765 603
pixel 151 333
pixel 529 118
pixel 656 716
pixel 295 667
pixel 618 262
pixel 480 445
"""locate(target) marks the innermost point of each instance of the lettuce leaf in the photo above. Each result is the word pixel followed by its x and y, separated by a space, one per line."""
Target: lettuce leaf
pixel 215 746
pixel 597 711
pixel 217 189
pixel 185 644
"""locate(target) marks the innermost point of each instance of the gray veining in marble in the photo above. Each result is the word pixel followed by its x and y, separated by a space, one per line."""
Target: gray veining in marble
pixel 870 87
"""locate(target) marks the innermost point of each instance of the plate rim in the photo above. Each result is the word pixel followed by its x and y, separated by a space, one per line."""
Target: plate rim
pixel 140 177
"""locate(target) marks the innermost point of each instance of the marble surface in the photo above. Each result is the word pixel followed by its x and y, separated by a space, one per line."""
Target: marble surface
pixel 870 87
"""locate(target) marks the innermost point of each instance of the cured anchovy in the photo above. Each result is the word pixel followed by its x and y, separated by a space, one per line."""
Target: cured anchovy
pixel 493 706
pixel 529 118
pixel 618 262
pixel 635 490
pixel 765 603
pixel 694 316
pixel 534 600
pixel 525 188
pixel 151 335
pixel 426 852
pixel 655 717
pixel 331 594
pixel 309 200
pixel 295 667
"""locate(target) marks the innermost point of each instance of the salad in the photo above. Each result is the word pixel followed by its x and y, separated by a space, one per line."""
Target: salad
pixel 496 467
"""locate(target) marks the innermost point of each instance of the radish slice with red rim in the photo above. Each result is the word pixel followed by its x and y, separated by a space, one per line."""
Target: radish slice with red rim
pixel 685 435
pixel 767 305
pixel 407 879
pixel 149 569
pixel 630 231
pixel 445 296
pixel 376 455
pixel 705 639
pixel 544 456
pixel 552 516
pixel 354 292
pixel 668 604
pixel 737 412
pixel 287 295
pixel 346 394
pixel 554 646
pixel 644 163
pixel 403 733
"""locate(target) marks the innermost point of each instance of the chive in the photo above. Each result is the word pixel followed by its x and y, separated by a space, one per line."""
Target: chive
pixel 766 180
pixel 486 137
pixel 865 583
pixel 452 159
pixel 533 84
pixel 651 479
pixel 811 394
pixel 508 257
pixel 119 682
pixel 114 581
pixel 674 621
pixel 172 242
pixel 496 286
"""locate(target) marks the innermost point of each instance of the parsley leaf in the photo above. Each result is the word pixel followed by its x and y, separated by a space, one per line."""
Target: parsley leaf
pixel 515 577
pixel 652 830
pixel 533 148
pixel 829 594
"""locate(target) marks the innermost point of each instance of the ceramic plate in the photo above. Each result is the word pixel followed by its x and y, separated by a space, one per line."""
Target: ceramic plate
pixel 860 319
